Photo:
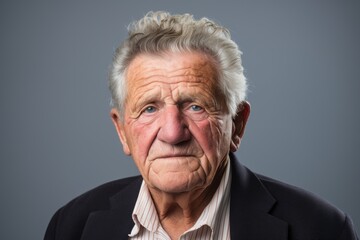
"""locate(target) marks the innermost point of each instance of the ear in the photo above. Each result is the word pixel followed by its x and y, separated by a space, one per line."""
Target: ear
pixel 119 125
pixel 239 123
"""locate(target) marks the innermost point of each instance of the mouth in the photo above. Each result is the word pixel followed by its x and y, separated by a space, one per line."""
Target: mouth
pixel 174 156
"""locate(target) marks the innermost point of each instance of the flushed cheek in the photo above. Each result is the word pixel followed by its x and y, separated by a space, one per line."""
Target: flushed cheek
pixel 141 138
pixel 213 136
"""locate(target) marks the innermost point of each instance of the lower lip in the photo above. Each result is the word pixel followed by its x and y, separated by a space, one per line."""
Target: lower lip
pixel 175 157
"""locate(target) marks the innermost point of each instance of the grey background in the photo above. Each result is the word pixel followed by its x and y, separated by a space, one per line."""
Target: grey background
pixel 56 137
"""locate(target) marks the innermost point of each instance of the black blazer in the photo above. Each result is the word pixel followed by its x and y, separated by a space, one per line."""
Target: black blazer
pixel 260 208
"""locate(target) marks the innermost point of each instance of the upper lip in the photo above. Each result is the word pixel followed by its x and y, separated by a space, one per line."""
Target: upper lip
pixel 174 155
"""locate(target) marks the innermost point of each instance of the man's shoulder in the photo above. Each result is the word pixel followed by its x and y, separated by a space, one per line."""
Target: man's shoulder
pixel 99 197
pixel 68 222
pixel 293 196
pixel 305 211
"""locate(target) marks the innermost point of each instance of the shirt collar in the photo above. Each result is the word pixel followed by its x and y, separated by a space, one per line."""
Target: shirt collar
pixel 144 213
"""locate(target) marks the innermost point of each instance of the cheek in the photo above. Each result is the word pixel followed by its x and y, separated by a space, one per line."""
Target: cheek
pixel 213 135
pixel 140 138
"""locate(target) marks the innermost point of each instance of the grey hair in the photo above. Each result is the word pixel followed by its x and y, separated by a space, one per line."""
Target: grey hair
pixel 160 32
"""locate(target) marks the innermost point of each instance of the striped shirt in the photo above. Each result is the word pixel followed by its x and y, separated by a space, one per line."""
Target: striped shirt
pixel 213 223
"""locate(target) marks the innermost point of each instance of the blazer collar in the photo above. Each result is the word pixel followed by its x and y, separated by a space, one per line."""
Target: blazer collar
pixel 115 223
pixel 249 210
pixel 250 206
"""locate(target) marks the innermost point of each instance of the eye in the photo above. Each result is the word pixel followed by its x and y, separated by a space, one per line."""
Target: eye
pixel 196 108
pixel 150 109
pixel 195 112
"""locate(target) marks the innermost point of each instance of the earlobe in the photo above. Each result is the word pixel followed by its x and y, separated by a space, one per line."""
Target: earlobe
pixel 239 123
pixel 115 117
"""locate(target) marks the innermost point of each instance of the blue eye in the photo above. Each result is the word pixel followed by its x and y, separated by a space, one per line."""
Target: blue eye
pixel 150 109
pixel 196 108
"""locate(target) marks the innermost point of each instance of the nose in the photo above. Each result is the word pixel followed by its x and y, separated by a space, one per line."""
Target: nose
pixel 173 129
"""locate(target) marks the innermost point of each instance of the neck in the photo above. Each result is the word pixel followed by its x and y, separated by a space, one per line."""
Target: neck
pixel 178 212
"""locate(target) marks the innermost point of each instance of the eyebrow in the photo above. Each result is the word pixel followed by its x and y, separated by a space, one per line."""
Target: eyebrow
pixel 210 103
pixel 143 99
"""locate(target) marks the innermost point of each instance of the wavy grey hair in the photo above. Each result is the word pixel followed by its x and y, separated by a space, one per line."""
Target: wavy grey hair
pixel 161 32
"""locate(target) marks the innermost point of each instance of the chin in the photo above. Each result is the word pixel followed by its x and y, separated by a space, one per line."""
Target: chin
pixel 178 184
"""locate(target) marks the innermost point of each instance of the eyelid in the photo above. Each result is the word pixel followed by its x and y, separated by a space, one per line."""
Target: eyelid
pixel 196 115
pixel 196 105
pixel 190 104
pixel 188 108
pixel 146 107
pixel 150 107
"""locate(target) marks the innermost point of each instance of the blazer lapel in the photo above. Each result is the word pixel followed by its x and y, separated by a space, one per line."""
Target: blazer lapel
pixel 115 223
pixel 249 207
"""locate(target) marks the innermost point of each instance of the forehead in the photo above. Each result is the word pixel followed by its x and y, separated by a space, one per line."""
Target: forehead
pixel 171 68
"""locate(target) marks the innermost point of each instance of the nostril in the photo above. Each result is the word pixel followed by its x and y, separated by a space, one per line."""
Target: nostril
pixel 172 134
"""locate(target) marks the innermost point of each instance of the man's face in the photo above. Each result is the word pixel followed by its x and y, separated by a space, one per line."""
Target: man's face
pixel 176 125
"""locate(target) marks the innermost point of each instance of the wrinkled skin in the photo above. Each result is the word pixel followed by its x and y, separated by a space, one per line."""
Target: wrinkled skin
pixel 176 126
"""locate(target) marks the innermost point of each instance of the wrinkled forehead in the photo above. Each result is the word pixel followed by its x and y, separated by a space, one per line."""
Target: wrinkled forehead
pixel 176 77
pixel 171 68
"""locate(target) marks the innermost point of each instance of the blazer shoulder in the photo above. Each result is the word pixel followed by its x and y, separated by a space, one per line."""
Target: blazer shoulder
pixel 69 220
pixel 306 212
pixel 98 197
pixel 296 196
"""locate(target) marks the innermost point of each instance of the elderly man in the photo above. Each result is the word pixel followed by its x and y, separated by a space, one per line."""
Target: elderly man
pixel 179 109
